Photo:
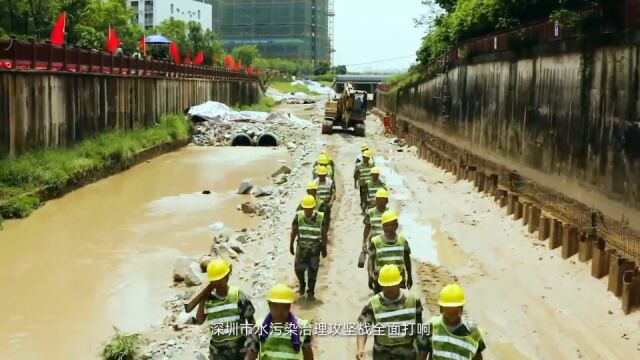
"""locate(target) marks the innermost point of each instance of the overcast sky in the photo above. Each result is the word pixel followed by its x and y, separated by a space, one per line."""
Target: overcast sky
pixel 373 30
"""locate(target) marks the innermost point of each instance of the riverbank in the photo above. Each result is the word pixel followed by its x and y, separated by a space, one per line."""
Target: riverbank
pixel 30 179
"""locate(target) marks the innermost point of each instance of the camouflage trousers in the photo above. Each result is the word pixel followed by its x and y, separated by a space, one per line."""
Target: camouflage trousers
pixel 228 350
pixel 307 260
pixel 401 352
pixel 364 199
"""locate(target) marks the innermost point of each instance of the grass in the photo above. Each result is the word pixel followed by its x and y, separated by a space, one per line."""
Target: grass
pixel 56 167
pixel 287 88
pixel 265 104
pixel 121 347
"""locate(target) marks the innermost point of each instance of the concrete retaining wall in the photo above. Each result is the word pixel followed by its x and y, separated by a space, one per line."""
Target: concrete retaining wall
pixel 49 110
pixel 568 121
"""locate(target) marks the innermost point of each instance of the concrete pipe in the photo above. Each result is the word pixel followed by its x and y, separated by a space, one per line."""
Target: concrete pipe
pixel 241 140
pixel 267 139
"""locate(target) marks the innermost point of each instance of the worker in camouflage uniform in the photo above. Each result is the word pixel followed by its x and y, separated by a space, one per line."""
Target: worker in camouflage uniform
pixel 361 175
pixel 321 205
pixel 363 148
pixel 282 335
pixel 373 226
pixel 228 312
pixel 449 335
pixel 326 190
pixel 310 230
pixel 392 317
pixel 390 247
pixel 371 186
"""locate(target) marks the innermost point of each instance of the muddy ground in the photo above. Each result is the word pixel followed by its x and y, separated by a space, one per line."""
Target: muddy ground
pixel 530 303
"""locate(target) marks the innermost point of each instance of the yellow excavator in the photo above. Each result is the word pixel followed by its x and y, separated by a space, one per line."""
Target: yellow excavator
pixel 348 111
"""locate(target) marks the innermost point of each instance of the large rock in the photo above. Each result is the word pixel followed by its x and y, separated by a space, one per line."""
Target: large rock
pixel 280 179
pixel 245 187
pixel 249 208
pixel 260 192
pixel 283 170
pixel 236 246
pixel 188 270
pixel 240 238
pixel 232 253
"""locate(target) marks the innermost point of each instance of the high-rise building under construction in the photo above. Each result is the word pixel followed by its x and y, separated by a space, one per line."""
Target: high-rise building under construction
pixel 288 29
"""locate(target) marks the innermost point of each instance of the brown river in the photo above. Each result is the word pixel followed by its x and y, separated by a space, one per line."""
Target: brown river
pixel 103 256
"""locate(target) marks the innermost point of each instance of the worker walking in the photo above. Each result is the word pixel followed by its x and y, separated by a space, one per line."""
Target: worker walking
pixel 390 248
pixel 363 148
pixel 361 175
pixel 371 186
pixel 282 336
pixel 310 229
pixel 228 311
pixel 326 153
pixel 373 226
pixel 312 189
pixel 399 314
pixel 449 336
pixel 326 186
pixel 323 160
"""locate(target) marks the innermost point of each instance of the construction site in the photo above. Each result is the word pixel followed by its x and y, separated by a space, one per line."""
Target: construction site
pixel 488 205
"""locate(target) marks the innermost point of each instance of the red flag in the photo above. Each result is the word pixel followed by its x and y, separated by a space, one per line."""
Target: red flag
pixel 57 33
pixel 143 46
pixel 188 59
pixel 112 41
pixel 249 69
pixel 174 52
pixel 227 61
pixel 239 65
pixel 199 58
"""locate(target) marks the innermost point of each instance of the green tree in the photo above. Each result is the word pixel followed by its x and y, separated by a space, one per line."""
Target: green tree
pixel 174 30
pixel 87 37
pixel 76 10
pixel 189 36
pixel 246 54
pixel 115 13
pixel 340 70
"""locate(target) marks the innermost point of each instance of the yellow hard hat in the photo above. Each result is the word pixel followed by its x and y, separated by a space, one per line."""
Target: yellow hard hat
pixel 364 147
pixel 375 170
pixel 218 269
pixel 312 186
pixel 325 153
pixel 451 296
pixel 281 294
pixel 322 170
pixel 367 153
pixel 308 202
pixel 382 193
pixel 388 216
pixel 323 160
pixel 389 275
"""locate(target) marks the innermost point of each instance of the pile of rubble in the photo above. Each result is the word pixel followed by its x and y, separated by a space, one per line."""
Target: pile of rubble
pixel 211 133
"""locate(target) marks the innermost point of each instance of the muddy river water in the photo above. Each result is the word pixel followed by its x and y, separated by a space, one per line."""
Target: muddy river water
pixel 103 256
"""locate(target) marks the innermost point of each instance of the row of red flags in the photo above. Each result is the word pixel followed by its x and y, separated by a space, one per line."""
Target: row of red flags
pixel 112 44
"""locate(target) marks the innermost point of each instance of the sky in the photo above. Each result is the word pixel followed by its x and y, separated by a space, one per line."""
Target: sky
pixel 373 30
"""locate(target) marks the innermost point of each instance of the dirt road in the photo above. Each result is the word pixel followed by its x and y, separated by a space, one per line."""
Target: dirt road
pixel 530 302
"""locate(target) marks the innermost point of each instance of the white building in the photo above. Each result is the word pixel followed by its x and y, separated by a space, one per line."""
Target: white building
pixel 149 13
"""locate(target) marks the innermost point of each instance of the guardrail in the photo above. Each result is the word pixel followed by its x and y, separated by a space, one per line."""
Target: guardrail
pixel 18 55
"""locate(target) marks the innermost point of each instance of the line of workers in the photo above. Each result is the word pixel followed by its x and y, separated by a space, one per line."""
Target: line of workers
pixel 393 313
